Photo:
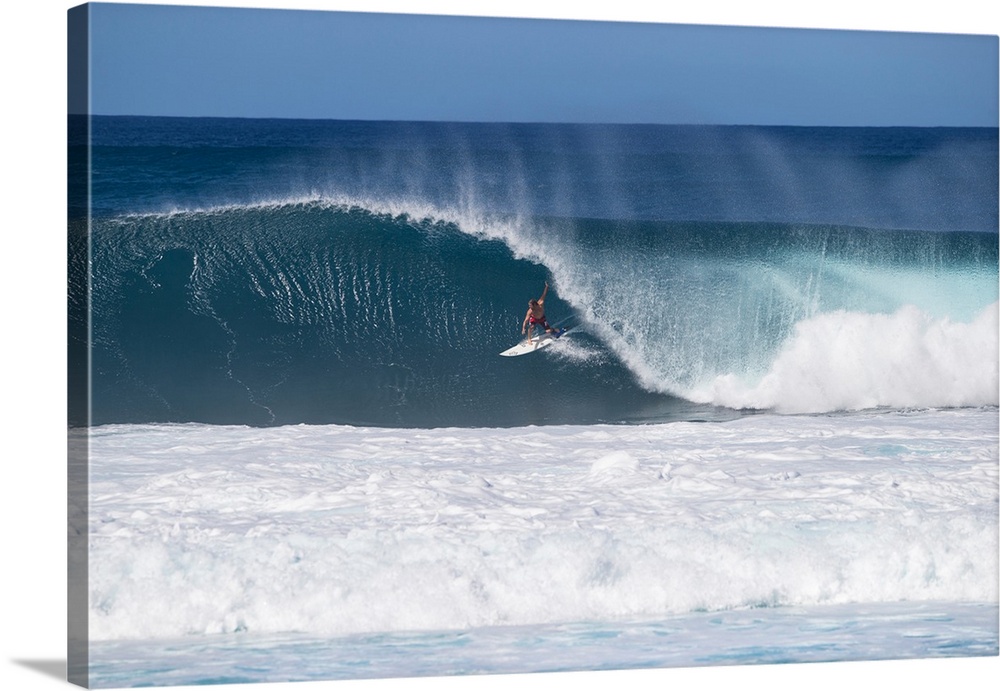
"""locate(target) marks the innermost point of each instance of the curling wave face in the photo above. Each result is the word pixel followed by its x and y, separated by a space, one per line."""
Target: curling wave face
pixel 324 311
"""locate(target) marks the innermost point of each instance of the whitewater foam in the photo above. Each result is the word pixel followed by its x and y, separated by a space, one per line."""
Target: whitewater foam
pixel 850 361
pixel 337 530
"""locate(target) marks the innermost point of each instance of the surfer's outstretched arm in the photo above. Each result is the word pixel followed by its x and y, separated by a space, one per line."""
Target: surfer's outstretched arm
pixel 545 292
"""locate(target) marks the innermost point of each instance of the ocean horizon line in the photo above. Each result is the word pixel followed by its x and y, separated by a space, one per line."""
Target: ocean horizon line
pixel 542 123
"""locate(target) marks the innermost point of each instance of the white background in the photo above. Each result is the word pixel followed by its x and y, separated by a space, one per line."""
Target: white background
pixel 32 235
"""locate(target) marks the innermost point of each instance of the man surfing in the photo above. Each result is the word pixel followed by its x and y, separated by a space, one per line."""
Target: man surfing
pixel 536 316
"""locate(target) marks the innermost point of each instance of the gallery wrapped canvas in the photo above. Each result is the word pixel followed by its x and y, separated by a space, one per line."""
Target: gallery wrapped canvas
pixel 299 241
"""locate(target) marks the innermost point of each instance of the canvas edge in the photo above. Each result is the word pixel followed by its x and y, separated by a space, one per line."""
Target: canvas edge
pixel 78 342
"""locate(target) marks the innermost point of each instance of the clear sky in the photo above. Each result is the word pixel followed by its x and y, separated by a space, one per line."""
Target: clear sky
pixel 246 62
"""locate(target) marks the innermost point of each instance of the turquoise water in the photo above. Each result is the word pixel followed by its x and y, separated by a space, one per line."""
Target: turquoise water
pixel 757 636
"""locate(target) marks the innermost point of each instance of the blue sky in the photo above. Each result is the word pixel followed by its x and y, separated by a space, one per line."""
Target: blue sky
pixel 245 62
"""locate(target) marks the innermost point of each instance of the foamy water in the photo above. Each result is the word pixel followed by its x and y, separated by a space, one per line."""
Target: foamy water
pixel 335 530
pixel 851 361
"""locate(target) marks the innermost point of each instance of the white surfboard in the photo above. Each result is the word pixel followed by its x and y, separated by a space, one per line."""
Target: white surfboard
pixel 537 343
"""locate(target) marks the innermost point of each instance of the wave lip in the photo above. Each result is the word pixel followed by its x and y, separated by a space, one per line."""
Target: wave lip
pixel 842 361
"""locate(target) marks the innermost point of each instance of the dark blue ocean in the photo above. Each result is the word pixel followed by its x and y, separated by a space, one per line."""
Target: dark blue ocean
pixel 271 272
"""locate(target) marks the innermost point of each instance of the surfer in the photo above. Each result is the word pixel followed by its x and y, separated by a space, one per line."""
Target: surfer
pixel 536 315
